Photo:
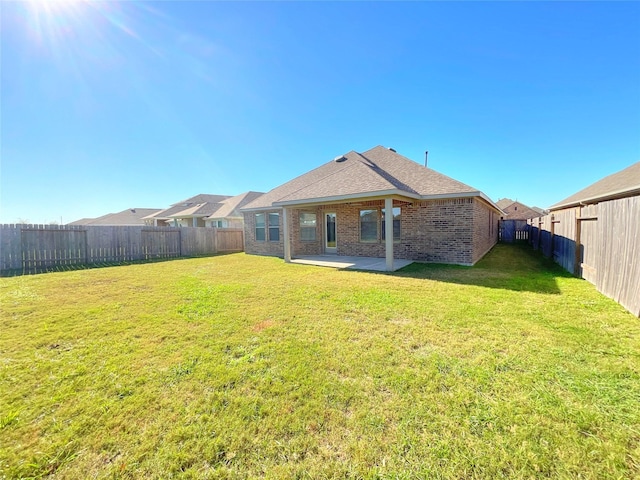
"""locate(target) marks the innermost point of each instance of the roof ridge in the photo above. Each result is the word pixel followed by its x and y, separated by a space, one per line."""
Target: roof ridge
pixel 345 167
pixel 382 173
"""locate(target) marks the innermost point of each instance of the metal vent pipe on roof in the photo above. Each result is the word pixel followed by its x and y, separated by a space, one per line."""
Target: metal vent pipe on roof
pixel 426 155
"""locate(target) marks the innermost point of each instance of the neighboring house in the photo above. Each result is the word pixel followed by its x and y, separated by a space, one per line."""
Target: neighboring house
pixel 515 210
pixel 205 211
pixel 622 184
pixel 130 216
pixel 595 234
pixel 229 214
pixel 539 211
pixel 340 208
pixel 187 213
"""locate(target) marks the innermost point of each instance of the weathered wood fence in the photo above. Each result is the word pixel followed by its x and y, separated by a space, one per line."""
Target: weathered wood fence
pixel 600 243
pixel 510 231
pixel 26 249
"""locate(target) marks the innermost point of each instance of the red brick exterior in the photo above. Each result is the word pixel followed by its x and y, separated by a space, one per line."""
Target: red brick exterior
pixel 267 247
pixel 458 230
pixel 519 211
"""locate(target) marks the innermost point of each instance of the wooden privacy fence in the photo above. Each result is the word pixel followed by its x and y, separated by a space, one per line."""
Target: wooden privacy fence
pixel 38 248
pixel 510 231
pixel 600 243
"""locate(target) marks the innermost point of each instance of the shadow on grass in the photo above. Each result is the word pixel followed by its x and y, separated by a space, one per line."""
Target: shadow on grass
pixel 507 266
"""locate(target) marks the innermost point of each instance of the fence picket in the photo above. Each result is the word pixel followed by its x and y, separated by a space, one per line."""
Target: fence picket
pixel 600 243
pixel 26 249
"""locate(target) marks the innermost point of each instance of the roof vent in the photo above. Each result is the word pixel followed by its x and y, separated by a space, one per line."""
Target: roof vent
pixel 392 149
pixel 339 159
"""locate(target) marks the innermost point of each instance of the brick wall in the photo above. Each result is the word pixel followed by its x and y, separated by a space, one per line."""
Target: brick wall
pixel 266 247
pixel 439 231
pixel 459 230
pixel 306 247
pixel 485 229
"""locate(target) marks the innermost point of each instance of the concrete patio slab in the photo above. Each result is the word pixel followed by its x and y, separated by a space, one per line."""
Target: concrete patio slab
pixel 353 263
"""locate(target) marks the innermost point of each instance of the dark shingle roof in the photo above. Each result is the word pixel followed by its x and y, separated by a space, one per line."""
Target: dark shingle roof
pixel 231 206
pixel 376 171
pixel 130 216
pixel 202 198
pixel 188 205
pixel 624 183
pixel 504 202
pixel 518 211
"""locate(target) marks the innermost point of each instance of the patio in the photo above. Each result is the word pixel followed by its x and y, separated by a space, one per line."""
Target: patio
pixel 353 263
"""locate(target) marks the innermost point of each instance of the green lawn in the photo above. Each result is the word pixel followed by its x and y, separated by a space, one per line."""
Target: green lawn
pixel 241 366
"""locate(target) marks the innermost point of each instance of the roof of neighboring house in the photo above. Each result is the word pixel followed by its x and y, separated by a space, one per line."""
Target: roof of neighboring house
pixel 202 198
pixel 539 210
pixel 82 221
pixel 624 183
pixel 231 206
pixel 504 202
pixel 130 216
pixel 222 209
pixel 518 211
pixel 188 204
pixel 376 172
pixel 197 210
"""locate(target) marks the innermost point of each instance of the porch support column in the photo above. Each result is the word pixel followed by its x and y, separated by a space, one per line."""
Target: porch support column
pixel 285 232
pixel 388 232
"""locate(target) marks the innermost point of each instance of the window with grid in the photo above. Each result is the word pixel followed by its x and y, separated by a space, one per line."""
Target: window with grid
pixel 368 225
pixel 274 227
pixel 260 227
pixel 307 227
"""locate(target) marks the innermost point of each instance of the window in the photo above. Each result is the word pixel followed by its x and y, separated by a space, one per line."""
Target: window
pixel 274 227
pixel 396 224
pixel 260 227
pixel 307 227
pixel 368 225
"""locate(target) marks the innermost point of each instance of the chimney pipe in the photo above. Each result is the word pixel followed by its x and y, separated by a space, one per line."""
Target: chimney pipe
pixel 426 155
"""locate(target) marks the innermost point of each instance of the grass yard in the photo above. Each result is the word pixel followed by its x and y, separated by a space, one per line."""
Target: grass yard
pixel 244 367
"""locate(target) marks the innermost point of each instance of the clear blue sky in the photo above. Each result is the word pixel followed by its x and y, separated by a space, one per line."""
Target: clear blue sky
pixel 106 106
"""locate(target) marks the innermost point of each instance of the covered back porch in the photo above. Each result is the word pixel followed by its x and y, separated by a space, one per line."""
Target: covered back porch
pixel 348 234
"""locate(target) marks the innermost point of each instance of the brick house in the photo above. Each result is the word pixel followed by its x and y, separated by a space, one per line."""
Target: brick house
pixel 203 210
pixel 515 210
pixel 341 207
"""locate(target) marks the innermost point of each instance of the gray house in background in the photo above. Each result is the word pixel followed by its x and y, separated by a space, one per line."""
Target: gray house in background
pixel 204 210
pixel 130 216
pixel 373 204
pixel 187 213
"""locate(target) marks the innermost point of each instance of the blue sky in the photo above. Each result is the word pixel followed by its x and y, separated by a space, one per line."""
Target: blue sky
pixel 111 105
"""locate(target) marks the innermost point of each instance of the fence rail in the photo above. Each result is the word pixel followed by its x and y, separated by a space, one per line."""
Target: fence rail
pixel 600 243
pixel 26 249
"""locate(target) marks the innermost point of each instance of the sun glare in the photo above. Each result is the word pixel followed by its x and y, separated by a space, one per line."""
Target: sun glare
pixel 49 21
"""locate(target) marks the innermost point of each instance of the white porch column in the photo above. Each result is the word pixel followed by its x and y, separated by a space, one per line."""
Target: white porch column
pixel 388 232
pixel 285 232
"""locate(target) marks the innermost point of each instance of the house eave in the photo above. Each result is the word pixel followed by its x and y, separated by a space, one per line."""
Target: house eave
pixel 477 193
pixel 616 194
pixel 179 217
pixel 345 198
pixel 370 196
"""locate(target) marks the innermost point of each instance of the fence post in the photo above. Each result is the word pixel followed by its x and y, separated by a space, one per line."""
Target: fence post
pixel 578 257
